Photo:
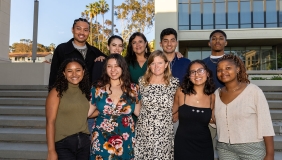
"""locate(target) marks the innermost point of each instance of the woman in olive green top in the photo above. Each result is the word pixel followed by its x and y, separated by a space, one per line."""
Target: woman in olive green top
pixel 67 107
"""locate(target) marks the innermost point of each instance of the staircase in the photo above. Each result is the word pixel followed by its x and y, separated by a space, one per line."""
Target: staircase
pixel 22 121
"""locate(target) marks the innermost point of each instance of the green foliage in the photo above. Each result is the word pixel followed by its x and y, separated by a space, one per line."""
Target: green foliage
pixel 258 78
pixel 25 46
pixel 276 78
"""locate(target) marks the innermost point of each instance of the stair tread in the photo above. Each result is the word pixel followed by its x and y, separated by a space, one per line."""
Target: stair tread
pixel 23 130
pixel 40 118
pixel 277 138
pixel 20 98
pixel 276 111
pixel 22 146
pixel 22 107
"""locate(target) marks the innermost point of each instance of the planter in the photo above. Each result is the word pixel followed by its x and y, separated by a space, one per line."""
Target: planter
pixel 267 82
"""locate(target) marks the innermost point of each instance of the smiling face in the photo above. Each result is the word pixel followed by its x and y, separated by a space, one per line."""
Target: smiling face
pixel 198 74
pixel 115 46
pixel 138 45
pixel 217 42
pixel 74 72
pixel 114 71
pixel 169 43
pixel 80 32
pixel 227 71
pixel 158 66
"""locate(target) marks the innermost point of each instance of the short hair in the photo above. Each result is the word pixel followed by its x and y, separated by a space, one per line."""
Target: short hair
pixel 188 87
pixel 148 74
pixel 218 31
pixel 242 76
pixel 80 19
pixel 114 37
pixel 168 31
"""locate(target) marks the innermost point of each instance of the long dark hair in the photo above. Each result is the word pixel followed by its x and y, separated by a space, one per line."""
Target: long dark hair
pixel 242 76
pixel 124 78
pixel 61 83
pixel 130 57
pixel 188 87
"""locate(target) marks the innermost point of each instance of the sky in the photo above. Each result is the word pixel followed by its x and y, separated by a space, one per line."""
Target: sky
pixel 55 19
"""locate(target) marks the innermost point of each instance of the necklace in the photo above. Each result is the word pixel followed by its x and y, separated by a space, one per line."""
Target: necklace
pixel 172 63
pixel 213 60
pixel 235 89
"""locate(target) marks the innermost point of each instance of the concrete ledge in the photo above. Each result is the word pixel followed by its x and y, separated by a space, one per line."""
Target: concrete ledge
pixel 24 87
pixel 271 88
pixel 267 82
pixel 23 135
pixel 24 73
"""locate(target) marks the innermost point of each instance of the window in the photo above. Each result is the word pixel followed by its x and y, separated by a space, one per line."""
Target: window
pixel 232 14
pixel 220 18
pixel 258 13
pixel 245 14
pixel 207 16
pixel 195 16
pixel 183 14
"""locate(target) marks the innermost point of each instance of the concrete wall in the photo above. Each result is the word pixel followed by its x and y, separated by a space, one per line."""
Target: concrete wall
pixel 166 17
pixel 24 73
pixel 5 7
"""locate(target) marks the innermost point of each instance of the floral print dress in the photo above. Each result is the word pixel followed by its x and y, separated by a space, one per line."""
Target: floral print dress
pixel 113 135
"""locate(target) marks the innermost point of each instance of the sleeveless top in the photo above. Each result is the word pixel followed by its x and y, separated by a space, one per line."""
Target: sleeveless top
pixel 72 113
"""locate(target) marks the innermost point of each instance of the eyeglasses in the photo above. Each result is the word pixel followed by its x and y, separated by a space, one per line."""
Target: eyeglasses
pixel 200 71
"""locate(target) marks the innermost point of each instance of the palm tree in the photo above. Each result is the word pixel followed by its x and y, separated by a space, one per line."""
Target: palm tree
pixel 104 8
pixel 96 12
pixel 91 12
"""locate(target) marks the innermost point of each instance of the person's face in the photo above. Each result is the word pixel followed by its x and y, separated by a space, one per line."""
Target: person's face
pixel 158 66
pixel 114 71
pixel 227 71
pixel 80 31
pixel 138 45
pixel 74 72
pixel 217 42
pixel 198 74
pixel 168 43
pixel 115 46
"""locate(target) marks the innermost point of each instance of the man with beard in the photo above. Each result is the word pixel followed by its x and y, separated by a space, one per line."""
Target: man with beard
pixel 77 47
pixel 168 43
pixel 178 66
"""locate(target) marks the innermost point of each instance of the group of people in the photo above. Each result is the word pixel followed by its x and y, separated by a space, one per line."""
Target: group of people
pixel 136 101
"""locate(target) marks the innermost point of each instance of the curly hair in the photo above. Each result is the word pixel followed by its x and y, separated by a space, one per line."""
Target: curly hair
pixel 61 83
pixel 148 74
pixel 130 57
pixel 242 75
pixel 124 78
pixel 187 85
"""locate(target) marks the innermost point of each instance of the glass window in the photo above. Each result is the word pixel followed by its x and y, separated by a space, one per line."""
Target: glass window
pixel 183 14
pixel 183 27
pixel 198 27
pixel 207 14
pixel 205 53
pixel 208 27
pixel 232 12
pixel 268 58
pixel 195 14
pixel 253 59
pixel 194 53
pixel 246 26
pixel 271 25
pixel 195 1
pixel 245 13
pixel 258 13
pixel 183 1
pixel 233 26
pixel 271 14
pixel 220 26
pixel 220 13
pixel 258 25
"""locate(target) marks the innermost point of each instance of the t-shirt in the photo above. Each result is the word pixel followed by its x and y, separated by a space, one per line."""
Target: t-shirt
pixel 179 67
pixel 212 65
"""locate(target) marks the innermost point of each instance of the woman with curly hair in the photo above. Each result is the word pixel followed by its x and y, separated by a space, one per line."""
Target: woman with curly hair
pixel 154 129
pixel 243 121
pixel 193 106
pixel 67 106
pixel 116 98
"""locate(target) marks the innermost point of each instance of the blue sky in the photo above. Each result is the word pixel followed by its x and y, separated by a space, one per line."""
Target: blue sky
pixel 54 22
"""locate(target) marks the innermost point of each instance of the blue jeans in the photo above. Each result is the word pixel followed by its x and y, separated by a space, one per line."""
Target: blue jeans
pixel 74 147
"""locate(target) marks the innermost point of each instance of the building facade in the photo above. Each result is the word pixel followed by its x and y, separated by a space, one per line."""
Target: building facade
pixel 253 28
pixel 5 6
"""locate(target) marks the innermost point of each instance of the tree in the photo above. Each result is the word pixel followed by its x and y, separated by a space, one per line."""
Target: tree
pixel 135 15
pixel 104 8
pixel 25 46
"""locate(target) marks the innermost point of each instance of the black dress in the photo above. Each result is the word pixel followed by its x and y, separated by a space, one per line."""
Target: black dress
pixel 193 139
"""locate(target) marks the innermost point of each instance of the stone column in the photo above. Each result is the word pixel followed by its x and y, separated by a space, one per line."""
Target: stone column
pixel 5 7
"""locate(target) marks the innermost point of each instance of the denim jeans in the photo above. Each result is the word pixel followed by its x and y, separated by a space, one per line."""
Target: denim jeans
pixel 74 147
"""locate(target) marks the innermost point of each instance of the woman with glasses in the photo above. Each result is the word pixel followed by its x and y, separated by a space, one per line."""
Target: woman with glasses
pixel 154 129
pixel 243 121
pixel 193 106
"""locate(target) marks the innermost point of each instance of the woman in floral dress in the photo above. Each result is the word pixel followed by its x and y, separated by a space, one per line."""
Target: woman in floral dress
pixel 116 99
pixel 154 129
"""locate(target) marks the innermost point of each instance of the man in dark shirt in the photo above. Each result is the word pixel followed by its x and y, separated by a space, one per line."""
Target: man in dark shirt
pixel 178 66
pixel 77 47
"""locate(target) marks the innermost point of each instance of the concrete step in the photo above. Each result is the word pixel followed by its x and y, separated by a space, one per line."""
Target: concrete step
pixel 22 94
pixel 278 142
pixel 277 155
pixel 22 121
pixel 23 151
pixel 23 101
pixel 24 87
pixel 273 95
pixel 275 104
pixel 277 125
pixel 22 135
pixel 271 88
pixel 276 114
pixel 23 110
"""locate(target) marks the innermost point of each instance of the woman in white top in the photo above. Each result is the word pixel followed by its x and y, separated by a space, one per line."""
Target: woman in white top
pixel 244 125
